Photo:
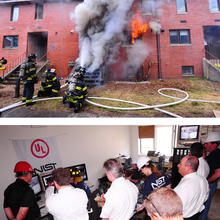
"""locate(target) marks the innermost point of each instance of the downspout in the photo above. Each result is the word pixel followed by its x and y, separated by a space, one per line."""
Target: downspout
pixel 158 56
pixel 158 45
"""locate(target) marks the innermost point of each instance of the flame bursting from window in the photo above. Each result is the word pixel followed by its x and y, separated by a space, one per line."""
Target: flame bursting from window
pixel 137 27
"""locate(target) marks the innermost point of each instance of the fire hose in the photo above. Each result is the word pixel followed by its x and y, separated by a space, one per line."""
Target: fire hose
pixel 142 106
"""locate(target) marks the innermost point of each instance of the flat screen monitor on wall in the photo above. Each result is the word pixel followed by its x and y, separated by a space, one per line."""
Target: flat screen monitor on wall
pixel 189 133
pixel 82 168
pixel 35 184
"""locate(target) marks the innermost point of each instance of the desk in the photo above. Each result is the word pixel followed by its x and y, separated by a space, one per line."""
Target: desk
pixel 41 203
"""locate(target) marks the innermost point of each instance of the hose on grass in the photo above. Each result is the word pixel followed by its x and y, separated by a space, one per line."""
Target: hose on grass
pixel 140 105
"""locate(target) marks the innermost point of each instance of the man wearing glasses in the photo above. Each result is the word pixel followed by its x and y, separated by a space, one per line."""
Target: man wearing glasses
pixel 19 198
pixel 164 204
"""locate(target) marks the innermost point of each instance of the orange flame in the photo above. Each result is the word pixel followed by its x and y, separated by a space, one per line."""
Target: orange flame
pixel 137 27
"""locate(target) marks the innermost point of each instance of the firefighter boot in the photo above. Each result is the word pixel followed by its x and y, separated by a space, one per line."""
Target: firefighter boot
pixel 77 107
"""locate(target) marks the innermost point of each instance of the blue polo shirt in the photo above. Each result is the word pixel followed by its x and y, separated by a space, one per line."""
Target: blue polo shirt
pixel 154 182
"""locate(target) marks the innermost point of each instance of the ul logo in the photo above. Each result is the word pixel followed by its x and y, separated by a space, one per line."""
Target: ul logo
pixel 39 148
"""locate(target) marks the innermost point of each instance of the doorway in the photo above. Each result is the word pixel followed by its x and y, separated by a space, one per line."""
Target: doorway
pixel 212 41
pixel 37 43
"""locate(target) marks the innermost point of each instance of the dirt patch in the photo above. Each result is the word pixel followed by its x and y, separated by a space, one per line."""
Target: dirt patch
pixel 143 92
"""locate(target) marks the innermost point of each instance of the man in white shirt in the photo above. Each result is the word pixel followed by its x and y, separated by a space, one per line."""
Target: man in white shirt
pixel 193 189
pixel 69 203
pixel 197 150
pixel 121 197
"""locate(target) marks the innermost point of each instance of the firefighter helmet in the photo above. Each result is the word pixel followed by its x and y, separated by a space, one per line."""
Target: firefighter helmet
pixel 75 172
pixel 3 60
pixel 78 76
pixel 23 166
pixel 77 68
pixel 82 70
pixel 32 56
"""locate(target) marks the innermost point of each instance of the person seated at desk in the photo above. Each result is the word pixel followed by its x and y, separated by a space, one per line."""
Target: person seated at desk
pixel 154 179
pixel 77 181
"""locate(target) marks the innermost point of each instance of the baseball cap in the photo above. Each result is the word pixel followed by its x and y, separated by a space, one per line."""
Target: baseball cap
pixel 142 161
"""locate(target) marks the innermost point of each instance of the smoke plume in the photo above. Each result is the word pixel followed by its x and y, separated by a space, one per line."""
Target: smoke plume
pixel 100 24
pixel 137 55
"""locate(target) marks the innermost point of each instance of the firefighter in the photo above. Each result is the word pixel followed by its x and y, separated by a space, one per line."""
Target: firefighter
pixel 76 91
pixel 29 78
pixel 50 84
pixel 2 62
pixel 72 74
pixel 77 181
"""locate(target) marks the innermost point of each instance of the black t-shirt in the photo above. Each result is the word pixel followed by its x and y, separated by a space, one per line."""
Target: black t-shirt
pixel 136 175
pixel 213 160
pixel 19 194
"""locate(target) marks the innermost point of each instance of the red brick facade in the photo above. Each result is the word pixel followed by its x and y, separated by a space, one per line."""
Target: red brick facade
pixel 62 45
pixel 62 41
pixel 174 57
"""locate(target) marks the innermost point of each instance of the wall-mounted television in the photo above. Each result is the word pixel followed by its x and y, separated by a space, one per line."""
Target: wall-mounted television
pixel 82 168
pixel 35 184
pixel 189 133
pixel 44 179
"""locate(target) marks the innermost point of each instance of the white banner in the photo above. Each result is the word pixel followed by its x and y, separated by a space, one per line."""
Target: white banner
pixel 41 153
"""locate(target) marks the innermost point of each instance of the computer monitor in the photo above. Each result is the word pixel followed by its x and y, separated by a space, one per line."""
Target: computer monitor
pixel 82 168
pixel 36 185
pixel 150 153
pixel 189 133
pixel 45 177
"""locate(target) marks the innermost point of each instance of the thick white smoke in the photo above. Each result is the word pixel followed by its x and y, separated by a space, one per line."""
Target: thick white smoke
pixel 137 55
pixel 99 23
pixel 155 26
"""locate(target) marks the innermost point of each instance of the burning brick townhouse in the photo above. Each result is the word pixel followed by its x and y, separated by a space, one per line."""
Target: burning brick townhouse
pixel 177 35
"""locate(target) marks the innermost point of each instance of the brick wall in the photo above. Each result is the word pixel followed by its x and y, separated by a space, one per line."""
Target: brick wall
pixel 62 45
pixel 174 57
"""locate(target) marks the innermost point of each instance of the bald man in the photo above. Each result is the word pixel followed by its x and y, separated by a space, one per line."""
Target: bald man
pixel 193 189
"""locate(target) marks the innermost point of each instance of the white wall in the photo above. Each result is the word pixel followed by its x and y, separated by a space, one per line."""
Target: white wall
pixel 134 135
pixel 76 144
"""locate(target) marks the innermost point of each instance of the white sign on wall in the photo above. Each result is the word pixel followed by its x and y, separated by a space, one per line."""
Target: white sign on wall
pixel 41 153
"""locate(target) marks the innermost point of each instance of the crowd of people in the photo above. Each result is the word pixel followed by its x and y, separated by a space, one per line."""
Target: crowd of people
pixel 189 200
